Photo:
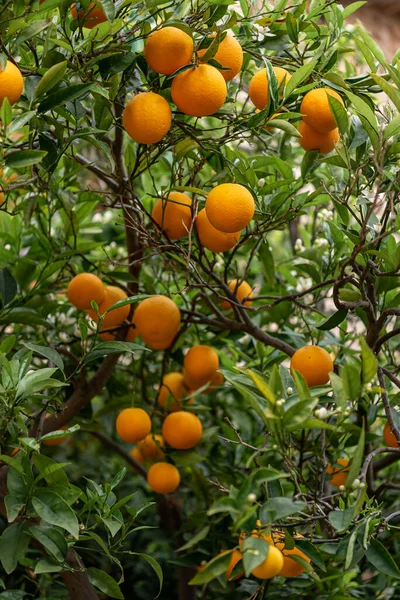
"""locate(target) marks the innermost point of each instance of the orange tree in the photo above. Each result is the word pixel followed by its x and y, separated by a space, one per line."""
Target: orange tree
pixel 199 301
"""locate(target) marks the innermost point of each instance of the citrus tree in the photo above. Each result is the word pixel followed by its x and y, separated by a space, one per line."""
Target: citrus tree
pixel 199 301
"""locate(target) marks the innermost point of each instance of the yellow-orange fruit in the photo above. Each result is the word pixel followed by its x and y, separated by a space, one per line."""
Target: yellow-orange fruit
pixel 1 197
pixel 313 140
pixel 11 83
pixel 163 478
pixel 339 474
pixel 241 291
pixel 168 49
pixel 230 207
pixel 137 455
pixel 157 321
pixel 151 447
pixel 290 567
pixel 147 118
pixel 236 556
pixel 229 55
pixel 116 316
pixel 182 430
pixel 173 215
pixel 200 365
pixel 200 91
pixel 56 441
pixel 316 111
pixel 216 381
pixel 389 437
pixel 84 288
pixel 258 88
pixel 314 363
pixel 211 238
pixel 92 16
pixel 171 391
pixel 271 566
pixel 133 424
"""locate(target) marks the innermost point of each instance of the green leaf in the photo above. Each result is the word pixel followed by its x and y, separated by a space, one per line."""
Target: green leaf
pixel 373 47
pixel 339 114
pixel 47 468
pixel 356 460
pixel 54 510
pixel 106 348
pixel 299 76
pixel 195 539
pixel 381 559
pixel 276 509
pixel 308 161
pixel 369 362
pixel 49 353
pixel 64 95
pixel 255 551
pixel 339 393
pixel 47 565
pixel 109 9
pixel 267 260
pixel 366 115
pixel 51 78
pixel 35 381
pixel 24 158
pixel 341 519
pixel 350 549
pixel 333 320
pixel 312 552
pixel 13 545
pixel 51 539
pixel 215 567
pixel 392 129
pixel 390 90
pixel 351 378
pixel 13 504
pixel 155 566
pixel 263 387
pixel 351 8
pixel 8 286
pixel 105 583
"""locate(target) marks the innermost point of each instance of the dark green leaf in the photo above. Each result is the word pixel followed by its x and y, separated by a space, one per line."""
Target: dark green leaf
pixel 381 559
pixel 13 545
pixel 105 583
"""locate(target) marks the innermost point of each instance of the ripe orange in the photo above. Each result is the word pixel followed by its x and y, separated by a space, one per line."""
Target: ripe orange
pixel 211 238
pixel 168 49
pixel 389 437
pixel 151 447
pixel 229 55
pixel 92 16
pixel 235 557
pixel 157 321
pixel 241 292
pixel 200 365
pixel 271 566
pixel 314 363
pixel 200 91
pixel 258 88
pixel 173 215
pixel 339 474
pixel 290 567
pixel 230 207
pixel 84 288
pixel 163 478
pixel 133 424
pixel 56 441
pixel 115 317
pixel 1 197
pixel 182 430
pixel 316 110
pixel 147 118
pixel 171 391
pixel 216 381
pixel 137 455
pixel 313 140
pixel 11 83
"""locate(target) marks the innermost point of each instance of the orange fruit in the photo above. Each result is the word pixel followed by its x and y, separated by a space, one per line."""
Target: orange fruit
pixel 258 88
pixel 151 447
pixel 314 363
pixel 173 215
pixel 171 391
pixel 241 291
pixel 216 381
pixel 56 441
pixel 115 317
pixel 211 238
pixel 109 336
pixel 271 566
pixel 133 424
pixel 168 49
pixel 137 455
pixel 316 111
pixel 229 55
pixel 92 16
pixel 339 474
pixel 147 118
pixel 200 91
pixel 313 140
pixel 389 437
pixel 230 207
pixel 290 567
pixel 200 365
pixel 11 83
pixel 163 478
pixel 157 321
pixel 236 556
pixel 1 197
pixel 182 430
pixel 84 288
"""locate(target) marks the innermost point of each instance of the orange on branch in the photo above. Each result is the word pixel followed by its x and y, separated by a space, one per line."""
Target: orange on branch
pixel 115 317
pixel 200 365
pixel 56 441
pixel 316 111
pixel 258 88
pixel 313 140
pixel 271 566
pixel 230 207
pixel 11 83
pixel 151 447
pixel 200 91
pixel 133 424
pixel 172 391
pixel 211 238
pixel 339 473
pixel 241 291
pixel 157 320
pixel 290 567
pixel 229 55
pixel 137 455
pixel 314 363
pixel 236 556
pixel 163 478
pixel 147 118
pixel 168 49
pixel 182 430
pixel 389 437
pixel 92 16
pixel 84 288
pixel 173 215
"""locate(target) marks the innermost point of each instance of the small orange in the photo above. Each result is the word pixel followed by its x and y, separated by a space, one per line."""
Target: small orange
pixel 314 363
pixel 182 430
pixel 236 556
pixel 290 567
pixel 133 424
pixel 163 478
pixel 229 55
pixel 316 111
pixel 389 437
pixel 241 291
pixel 56 441
pixel 230 207
pixel 137 455
pixel 200 91
pixel 168 49
pixel 147 118
pixel 313 140
pixel 116 316
pixel 271 566
pixel 211 238
pixel 339 474
pixel 151 447
pixel 172 391
pixel 84 288
pixel 258 88
pixel 92 16
pixel 216 381
pixel 173 215
pixel 157 320
pixel 11 83
pixel 200 365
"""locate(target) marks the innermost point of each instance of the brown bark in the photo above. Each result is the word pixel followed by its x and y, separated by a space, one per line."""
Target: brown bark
pixel 77 581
